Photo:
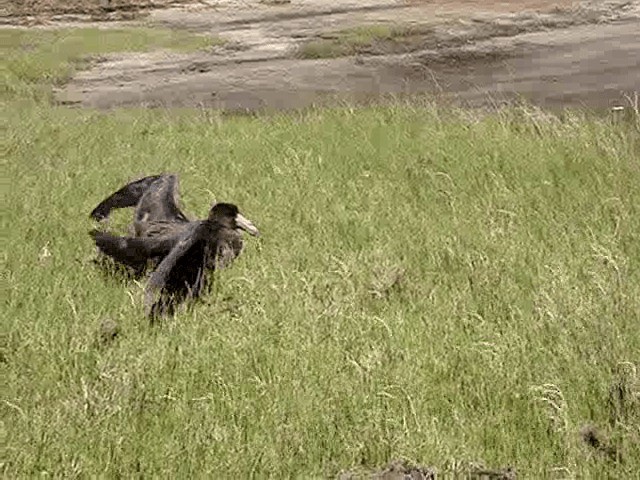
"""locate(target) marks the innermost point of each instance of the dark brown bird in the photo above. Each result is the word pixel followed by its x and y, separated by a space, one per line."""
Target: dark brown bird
pixel 183 257
pixel 158 215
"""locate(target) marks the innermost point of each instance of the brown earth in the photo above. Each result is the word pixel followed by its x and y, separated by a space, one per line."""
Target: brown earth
pixel 474 52
pixel 402 470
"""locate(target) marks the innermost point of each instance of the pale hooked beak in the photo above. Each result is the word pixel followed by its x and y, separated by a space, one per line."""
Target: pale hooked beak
pixel 245 224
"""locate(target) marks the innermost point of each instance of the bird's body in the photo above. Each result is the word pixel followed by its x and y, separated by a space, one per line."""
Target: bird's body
pixel 163 237
pixel 157 215
pixel 182 258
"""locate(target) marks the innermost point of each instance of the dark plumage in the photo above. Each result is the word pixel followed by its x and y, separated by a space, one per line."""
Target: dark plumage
pixel 183 256
pixel 157 215
pixel 131 194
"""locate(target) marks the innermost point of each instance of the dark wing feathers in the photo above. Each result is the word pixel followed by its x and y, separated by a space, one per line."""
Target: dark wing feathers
pixel 181 272
pixel 160 202
pixel 133 251
pixel 184 249
pixel 185 242
pixel 155 198
pixel 127 196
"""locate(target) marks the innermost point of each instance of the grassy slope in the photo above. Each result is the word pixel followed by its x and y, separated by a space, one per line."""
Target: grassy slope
pixel 33 60
pixel 519 244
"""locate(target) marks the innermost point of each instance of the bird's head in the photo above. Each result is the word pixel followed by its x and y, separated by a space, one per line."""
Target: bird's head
pixel 228 215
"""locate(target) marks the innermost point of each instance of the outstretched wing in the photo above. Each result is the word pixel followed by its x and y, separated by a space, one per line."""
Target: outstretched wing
pixel 133 251
pixel 181 272
pixel 160 202
pixel 127 196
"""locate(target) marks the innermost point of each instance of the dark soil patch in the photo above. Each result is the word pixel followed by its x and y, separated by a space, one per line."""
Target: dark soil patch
pixel 396 470
pixel 402 470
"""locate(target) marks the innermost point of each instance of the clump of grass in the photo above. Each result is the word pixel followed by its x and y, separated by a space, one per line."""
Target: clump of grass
pixel 36 60
pixel 372 39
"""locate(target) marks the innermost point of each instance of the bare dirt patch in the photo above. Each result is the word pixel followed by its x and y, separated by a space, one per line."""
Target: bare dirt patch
pixel 555 54
pixel 402 470
pixel 397 470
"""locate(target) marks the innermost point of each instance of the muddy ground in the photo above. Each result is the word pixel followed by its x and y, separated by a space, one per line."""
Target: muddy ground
pixel 403 470
pixel 474 52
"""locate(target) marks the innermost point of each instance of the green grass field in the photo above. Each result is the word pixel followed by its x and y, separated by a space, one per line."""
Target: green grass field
pixel 450 288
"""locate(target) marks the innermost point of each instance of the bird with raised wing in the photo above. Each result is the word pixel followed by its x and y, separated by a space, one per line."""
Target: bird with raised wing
pixel 183 257
pixel 157 214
